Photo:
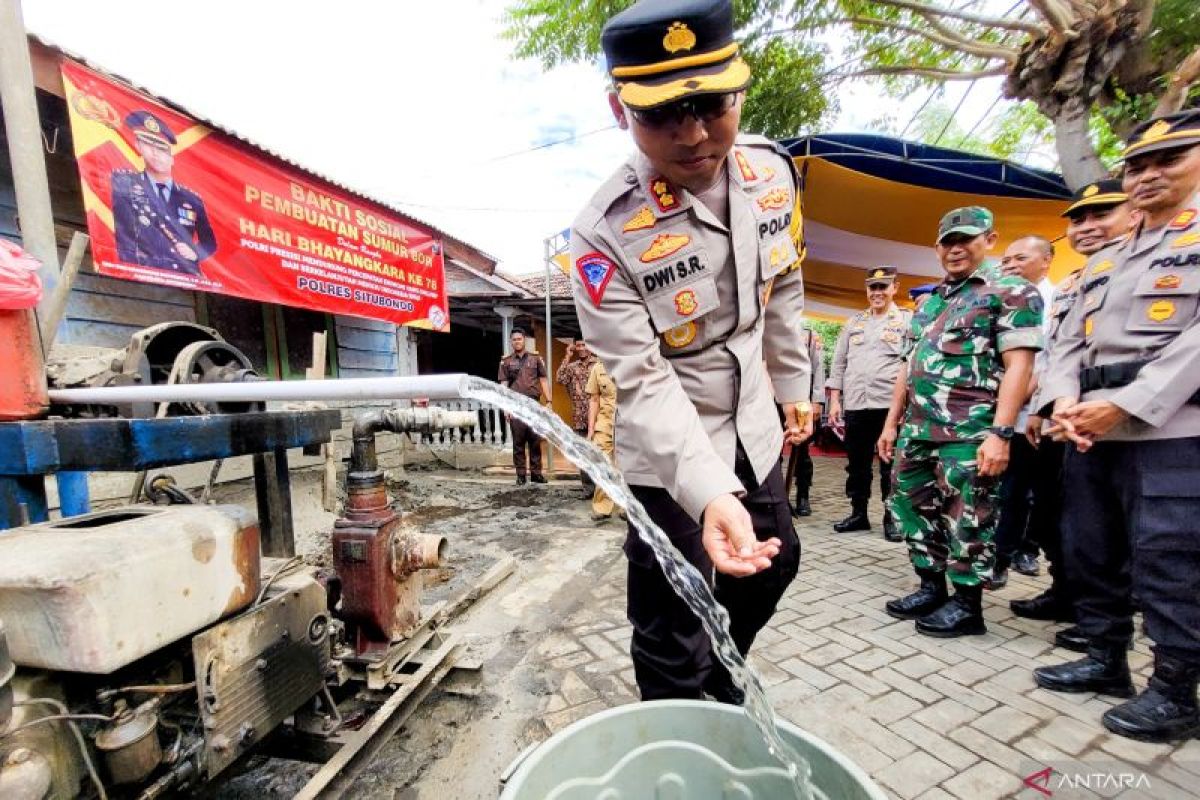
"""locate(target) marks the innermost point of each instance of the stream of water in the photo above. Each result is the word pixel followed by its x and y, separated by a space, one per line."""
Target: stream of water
pixel 687 580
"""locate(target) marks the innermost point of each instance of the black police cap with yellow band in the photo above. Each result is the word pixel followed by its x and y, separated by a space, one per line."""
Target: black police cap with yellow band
pixel 1169 131
pixel 1107 192
pixel 660 52
pixel 150 128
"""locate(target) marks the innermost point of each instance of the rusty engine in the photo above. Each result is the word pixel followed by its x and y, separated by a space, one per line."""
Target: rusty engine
pixel 146 649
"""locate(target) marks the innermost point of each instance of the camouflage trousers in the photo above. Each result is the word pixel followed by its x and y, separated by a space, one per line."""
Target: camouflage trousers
pixel 945 510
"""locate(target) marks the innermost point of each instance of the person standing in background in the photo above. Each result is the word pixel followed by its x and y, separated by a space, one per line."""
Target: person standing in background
pixel 601 421
pixel 524 373
pixel 573 374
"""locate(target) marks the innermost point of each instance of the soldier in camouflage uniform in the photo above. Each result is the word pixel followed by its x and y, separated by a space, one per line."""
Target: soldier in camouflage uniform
pixel 972 351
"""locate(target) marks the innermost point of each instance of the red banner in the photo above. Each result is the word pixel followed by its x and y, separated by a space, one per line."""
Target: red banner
pixel 172 202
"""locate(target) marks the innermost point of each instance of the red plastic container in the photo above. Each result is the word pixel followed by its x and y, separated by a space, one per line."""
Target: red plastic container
pixel 22 371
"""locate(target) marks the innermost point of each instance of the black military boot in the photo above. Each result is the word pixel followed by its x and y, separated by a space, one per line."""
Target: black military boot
pixel 803 507
pixel 931 595
pixel 1072 638
pixel 858 519
pixel 1166 711
pixel 1048 605
pixel 538 478
pixel 890 531
pixel 520 480
pixel 961 615
pixel 1105 669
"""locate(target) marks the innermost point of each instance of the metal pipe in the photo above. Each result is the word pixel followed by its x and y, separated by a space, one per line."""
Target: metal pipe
pixel 433 387
pixel 24 129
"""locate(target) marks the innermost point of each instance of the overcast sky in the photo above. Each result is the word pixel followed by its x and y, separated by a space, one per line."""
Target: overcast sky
pixel 418 104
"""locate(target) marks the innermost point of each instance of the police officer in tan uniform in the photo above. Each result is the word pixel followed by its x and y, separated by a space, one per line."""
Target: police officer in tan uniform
pixel 686 276
pixel 1125 384
pixel 1098 214
pixel 866 360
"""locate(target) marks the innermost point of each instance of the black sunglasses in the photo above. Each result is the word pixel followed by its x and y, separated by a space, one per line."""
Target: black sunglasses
pixel 705 108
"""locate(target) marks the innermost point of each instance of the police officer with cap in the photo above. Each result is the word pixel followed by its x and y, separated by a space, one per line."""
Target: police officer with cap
pixel 1099 213
pixel 158 222
pixel 1125 388
pixel 866 360
pixel 800 461
pixel 685 266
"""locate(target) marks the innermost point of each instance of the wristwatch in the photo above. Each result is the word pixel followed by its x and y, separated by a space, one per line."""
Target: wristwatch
pixel 1005 432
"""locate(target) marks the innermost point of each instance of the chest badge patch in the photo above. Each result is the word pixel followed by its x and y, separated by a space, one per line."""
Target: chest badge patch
pixel 1160 311
pixel 1103 266
pixel 640 221
pixel 685 302
pixel 664 196
pixel 744 169
pixel 1187 240
pixel 1183 219
pixel 1168 282
pixel 680 335
pixel 664 245
pixel 775 199
pixel 596 270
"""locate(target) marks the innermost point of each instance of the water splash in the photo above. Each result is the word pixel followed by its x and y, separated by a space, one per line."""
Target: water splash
pixel 687 580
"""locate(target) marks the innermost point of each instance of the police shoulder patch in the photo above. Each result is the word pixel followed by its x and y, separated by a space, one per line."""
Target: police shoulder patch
pixel 596 270
pixel 1187 240
pixel 1183 220
pixel 664 196
pixel 775 199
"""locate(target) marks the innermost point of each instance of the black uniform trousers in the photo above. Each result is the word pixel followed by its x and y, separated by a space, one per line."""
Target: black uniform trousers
pixel 863 428
pixel 672 654
pixel 1131 523
pixel 802 458
pixel 1016 500
pixel 1045 513
pixel 523 438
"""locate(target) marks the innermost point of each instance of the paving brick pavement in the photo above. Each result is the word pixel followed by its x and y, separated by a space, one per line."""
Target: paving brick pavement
pixel 926 718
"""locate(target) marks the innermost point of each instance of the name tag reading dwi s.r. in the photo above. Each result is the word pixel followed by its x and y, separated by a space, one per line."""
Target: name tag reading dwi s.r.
pixel 677 271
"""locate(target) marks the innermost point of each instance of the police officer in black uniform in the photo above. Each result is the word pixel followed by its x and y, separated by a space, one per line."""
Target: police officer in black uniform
pixel 1125 386
pixel 158 222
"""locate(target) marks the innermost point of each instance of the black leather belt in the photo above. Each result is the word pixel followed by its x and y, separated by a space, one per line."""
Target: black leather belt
pixel 1112 376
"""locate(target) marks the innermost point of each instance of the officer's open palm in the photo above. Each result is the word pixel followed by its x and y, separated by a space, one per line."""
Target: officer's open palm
pixel 728 538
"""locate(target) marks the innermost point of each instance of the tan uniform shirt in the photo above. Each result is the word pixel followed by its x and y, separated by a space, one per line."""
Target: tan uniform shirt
pixel 816 361
pixel 1138 300
pixel 867 358
pixel 601 386
pixel 674 302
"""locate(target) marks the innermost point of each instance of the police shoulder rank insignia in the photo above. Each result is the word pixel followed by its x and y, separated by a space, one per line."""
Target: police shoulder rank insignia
pixel 775 199
pixel 680 335
pixel 664 196
pixel 664 245
pixel 1187 240
pixel 744 169
pixel 1168 282
pixel 1103 266
pixel 1160 311
pixel 643 219
pixel 596 270
pixel 679 37
pixel 685 302
pixel 1183 219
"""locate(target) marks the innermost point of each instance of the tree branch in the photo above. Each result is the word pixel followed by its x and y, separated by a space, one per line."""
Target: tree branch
pixel 1180 82
pixel 951 33
pixel 935 73
pixel 960 44
pixel 1033 29
pixel 1060 15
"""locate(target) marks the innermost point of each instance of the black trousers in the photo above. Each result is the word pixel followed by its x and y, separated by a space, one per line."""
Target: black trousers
pixel 1131 524
pixel 523 438
pixel 863 428
pixel 802 458
pixel 1045 514
pixel 672 655
pixel 1016 497
pixel 584 478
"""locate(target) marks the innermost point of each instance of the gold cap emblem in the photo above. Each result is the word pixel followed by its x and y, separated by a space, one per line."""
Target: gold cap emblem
pixel 679 37
pixel 1156 130
pixel 1091 190
pixel 150 125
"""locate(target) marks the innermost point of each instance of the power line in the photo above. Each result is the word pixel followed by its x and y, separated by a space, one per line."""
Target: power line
pixel 571 138
pixel 954 113
pixel 980 121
